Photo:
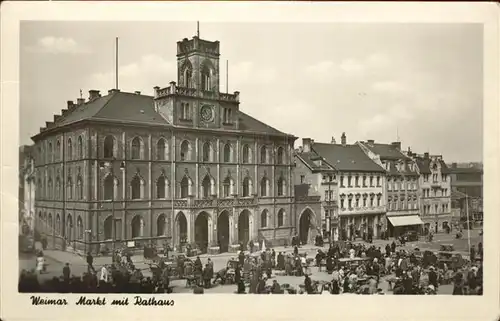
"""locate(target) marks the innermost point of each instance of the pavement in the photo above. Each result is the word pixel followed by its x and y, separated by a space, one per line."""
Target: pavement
pixel 56 260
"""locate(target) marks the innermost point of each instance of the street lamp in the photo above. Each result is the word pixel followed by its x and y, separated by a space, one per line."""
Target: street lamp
pixel 102 166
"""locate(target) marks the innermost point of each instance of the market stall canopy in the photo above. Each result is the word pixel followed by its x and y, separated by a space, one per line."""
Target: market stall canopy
pixel 405 220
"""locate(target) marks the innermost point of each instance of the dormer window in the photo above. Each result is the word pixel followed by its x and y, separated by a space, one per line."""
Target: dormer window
pixel 185 111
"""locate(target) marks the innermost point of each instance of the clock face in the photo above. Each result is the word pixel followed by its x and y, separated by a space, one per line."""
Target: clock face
pixel 207 113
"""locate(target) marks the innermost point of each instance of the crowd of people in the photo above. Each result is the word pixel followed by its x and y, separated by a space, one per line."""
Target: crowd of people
pixel 353 267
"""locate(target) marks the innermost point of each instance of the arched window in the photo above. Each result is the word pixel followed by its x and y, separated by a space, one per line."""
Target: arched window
pixel 70 188
pixel 281 217
pixel 80 147
pixel 263 219
pixel 185 151
pixel 247 185
pixel 188 75
pixel 50 223
pixel 264 184
pixel 109 146
pixel 206 186
pixel 109 187
pixel 205 79
pixel 108 228
pixel 206 152
pixel 161 225
pixel 79 228
pixel 136 148
pixel 161 149
pixel 58 225
pixel 185 184
pixel 227 153
pixel 227 187
pixel 281 186
pixel 58 149
pixel 263 155
pixel 136 188
pixel 79 187
pixel 51 153
pixel 70 149
pixel 280 156
pixel 50 189
pixel 161 187
pixel 246 154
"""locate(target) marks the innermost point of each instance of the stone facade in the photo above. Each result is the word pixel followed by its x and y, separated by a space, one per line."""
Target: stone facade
pixel 26 187
pixel 184 166
pixel 435 191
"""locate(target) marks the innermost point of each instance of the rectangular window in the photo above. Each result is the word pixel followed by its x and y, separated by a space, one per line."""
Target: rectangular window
pixel 302 178
pixel 364 181
pixel 371 181
pixel 342 181
pixel 356 181
pixel 378 181
pixel 349 181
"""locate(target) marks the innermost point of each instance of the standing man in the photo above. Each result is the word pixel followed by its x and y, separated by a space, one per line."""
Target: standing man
pixel 66 273
pixel 90 262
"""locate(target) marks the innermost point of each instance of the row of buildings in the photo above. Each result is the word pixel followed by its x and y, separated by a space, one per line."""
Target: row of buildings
pixel 188 166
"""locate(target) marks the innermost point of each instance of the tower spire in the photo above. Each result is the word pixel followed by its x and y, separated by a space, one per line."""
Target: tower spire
pixel 198 29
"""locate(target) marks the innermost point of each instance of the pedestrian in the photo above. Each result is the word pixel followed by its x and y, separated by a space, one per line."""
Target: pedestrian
pixel 90 262
pixel 66 273
pixel 472 254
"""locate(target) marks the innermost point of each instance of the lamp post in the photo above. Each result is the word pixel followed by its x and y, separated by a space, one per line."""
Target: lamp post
pixel 102 166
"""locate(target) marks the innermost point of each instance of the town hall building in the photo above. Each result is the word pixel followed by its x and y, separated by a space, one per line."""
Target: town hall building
pixel 185 166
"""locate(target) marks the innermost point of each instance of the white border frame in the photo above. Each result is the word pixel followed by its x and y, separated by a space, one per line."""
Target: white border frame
pixel 230 306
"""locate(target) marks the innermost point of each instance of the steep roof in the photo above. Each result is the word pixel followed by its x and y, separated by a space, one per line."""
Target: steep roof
pixel 423 165
pixel 385 151
pixel 465 170
pixel 346 158
pixel 444 167
pixel 248 123
pixel 123 107
pixel 309 159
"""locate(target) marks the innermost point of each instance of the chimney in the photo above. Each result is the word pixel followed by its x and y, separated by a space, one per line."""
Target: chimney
pixel 409 152
pixel 237 95
pixel 93 94
pixel 371 141
pixel 306 145
pixel 343 139
pixel 454 165
pixel 397 145
pixel 112 91
pixel 333 140
pixel 80 101
pixel 426 155
pixel 137 92
pixel 71 104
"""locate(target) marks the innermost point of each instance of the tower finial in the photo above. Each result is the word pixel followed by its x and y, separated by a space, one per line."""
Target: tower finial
pixel 198 29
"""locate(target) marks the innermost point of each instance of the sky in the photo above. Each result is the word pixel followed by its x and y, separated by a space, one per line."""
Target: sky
pixel 421 83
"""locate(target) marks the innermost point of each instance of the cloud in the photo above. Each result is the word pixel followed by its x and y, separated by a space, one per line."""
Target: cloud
pixel 58 45
pixel 249 73
pixel 389 87
pixel 351 66
pixel 149 71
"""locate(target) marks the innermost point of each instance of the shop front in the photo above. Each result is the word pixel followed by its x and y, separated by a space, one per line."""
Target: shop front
pixel 399 225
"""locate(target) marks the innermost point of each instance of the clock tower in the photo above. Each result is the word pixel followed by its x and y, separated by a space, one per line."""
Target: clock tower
pixel 195 99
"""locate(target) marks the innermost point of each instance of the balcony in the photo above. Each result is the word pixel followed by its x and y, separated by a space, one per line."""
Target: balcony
pixel 362 210
pixel 192 92
pixel 436 184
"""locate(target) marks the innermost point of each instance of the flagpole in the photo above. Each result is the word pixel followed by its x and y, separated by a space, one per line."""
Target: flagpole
pixel 116 64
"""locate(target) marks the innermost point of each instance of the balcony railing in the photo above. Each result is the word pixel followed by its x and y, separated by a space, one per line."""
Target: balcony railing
pixel 192 92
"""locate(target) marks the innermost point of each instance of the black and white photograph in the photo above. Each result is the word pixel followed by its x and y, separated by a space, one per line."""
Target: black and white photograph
pixel 298 166
pixel 203 156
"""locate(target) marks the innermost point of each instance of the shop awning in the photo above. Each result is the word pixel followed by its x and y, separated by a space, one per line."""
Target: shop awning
pixel 405 220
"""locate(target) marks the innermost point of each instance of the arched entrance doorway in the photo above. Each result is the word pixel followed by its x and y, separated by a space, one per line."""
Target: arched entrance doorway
pixel 137 226
pixel 181 229
pixel 223 231
pixel 305 225
pixel 201 231
pixel 244 228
